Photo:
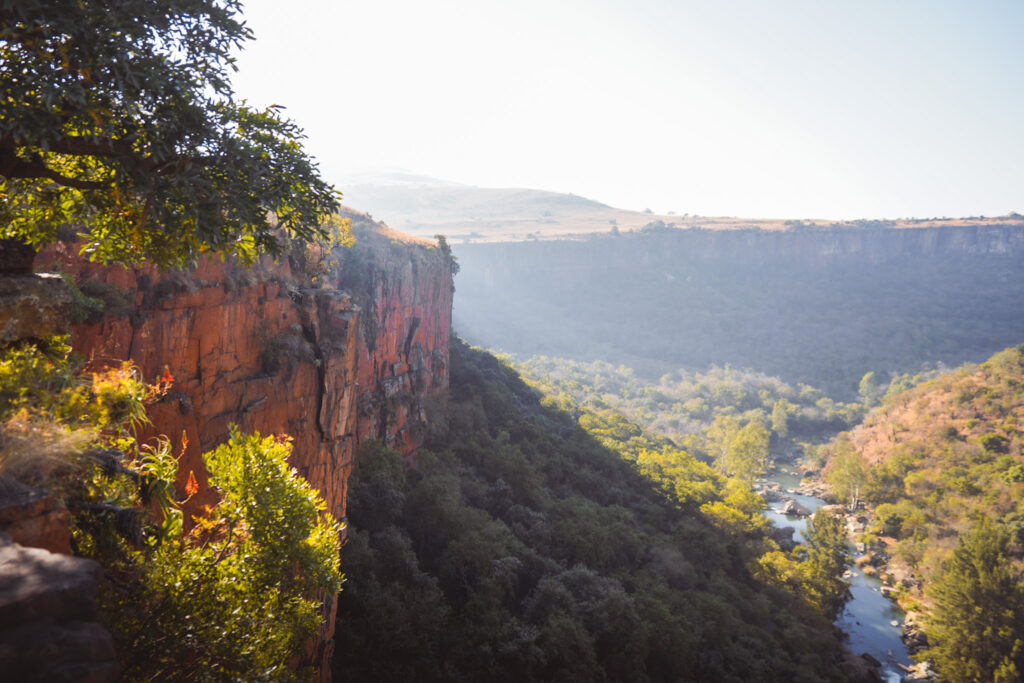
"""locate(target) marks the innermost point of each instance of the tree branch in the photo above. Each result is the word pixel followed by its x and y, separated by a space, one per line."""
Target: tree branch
pixel 78 146
pixel 12 166
pixel 75 146
pixel 110 148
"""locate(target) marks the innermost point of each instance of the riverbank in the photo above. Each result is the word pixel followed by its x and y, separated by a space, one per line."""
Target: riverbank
pixel 877 628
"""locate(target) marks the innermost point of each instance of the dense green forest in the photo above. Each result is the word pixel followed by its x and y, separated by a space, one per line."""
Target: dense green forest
pixel 701 412
pixel 521 547
pixel 942 467
pixel 816 307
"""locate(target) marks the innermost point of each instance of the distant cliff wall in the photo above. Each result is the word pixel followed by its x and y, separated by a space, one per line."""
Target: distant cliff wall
pixel 329 347
pixel 820 306
pixel 872 245
pixel 807 247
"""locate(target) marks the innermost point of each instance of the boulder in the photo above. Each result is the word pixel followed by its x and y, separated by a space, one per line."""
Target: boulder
pixel 791 507
pixel 33 518
pixel 858 669
pixel 784 537
pixel 16 256
pixel 921 672
pixel 915 639
pixel 48 628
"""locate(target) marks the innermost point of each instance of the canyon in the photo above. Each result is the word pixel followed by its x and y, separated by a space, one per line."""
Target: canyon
pixel 335 346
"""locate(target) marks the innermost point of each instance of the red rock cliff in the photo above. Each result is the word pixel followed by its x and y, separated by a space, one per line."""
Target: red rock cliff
pixel 331 348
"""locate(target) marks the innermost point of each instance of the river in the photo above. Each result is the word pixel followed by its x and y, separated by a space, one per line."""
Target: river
pixel 868 617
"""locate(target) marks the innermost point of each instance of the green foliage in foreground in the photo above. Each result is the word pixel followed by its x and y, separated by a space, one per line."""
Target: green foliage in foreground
pixel 521 548
pixel 238 596
pixel 977 627
pixel 119 120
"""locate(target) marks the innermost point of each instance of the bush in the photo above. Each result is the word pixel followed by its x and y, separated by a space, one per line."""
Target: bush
pixel 239 596
pixel 995 443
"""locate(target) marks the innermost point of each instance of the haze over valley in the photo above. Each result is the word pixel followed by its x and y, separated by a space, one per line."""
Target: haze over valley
pixel 809 300
pixel 650 341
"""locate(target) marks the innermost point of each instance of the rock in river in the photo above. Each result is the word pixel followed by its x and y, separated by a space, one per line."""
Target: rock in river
pixel 791 507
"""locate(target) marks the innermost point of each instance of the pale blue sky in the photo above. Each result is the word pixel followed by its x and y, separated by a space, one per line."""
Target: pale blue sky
pixel 786 108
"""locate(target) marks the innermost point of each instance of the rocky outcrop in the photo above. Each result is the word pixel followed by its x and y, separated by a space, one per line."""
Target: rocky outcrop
pixel 862 669
pixel 32 517
pixel 48 626
pixel 793 508
pixel 331 347
pixel 48 629
pixel 405 292
pixel 33 306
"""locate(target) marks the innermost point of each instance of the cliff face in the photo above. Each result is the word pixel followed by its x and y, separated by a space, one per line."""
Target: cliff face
pixel 402 338
pixel 329 347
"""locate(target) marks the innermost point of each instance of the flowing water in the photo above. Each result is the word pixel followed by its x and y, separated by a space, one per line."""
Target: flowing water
pixel 868 617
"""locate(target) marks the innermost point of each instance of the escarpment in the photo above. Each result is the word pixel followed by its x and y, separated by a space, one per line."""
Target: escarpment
pixel 330 346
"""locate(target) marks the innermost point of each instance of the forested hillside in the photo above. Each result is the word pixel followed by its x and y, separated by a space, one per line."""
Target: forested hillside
pixel 521 548
pixel 701 412
pixel 943 469
pixel 817 306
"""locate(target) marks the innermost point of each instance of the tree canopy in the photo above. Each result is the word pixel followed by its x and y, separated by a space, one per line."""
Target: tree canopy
pixel 979 603
pixel 118 120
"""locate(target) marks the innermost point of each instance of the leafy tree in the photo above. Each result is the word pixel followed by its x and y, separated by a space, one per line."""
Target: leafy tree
pixel 977 625
pixel 780 419
pixel 120 121
pixel 847 472
pixel 870 390
pixel 748 453
pixel 718 437
pixel 995 443
pixel 827 558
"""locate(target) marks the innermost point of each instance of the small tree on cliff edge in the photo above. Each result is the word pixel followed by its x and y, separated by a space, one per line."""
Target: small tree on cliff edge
pixel 119 119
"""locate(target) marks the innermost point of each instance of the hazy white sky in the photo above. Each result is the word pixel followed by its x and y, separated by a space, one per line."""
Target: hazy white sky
pixel 787 108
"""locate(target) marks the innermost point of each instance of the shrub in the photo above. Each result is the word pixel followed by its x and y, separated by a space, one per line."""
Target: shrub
pixel 237 597
pixel 995 443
